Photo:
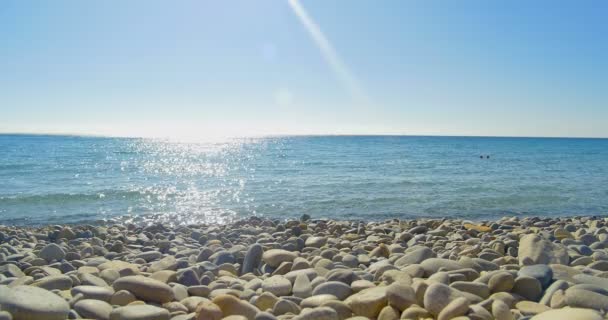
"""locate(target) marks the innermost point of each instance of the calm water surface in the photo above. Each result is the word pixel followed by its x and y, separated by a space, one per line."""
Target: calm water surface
pixel 61 179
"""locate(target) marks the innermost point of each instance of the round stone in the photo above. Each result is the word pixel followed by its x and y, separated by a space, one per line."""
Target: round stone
pixel 139 312
pixel 274 257
pixel 335 288
pixel 93 309
pixel 568 314
pixel 368 302
pixel 277 285
pixel 501 282
pixel 52 252
pixel 144 288
pixel 27 302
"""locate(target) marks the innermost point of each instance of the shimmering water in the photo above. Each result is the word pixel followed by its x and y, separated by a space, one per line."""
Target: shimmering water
pixel 61 179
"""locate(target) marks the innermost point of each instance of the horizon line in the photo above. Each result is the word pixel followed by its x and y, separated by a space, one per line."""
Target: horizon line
pixel 279 135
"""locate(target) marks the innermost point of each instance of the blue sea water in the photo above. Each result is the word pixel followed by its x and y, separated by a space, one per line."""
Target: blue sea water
pixel 69 179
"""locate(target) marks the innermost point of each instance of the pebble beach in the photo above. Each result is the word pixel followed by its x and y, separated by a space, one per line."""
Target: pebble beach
pixel 308 269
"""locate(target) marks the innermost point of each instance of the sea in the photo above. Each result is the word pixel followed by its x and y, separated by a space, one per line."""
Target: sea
pixel 48 179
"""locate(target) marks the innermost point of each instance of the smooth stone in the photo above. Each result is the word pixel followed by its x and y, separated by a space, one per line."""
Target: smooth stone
pixel 208 310
pixel 93 309
pixel 432 265
pixel 316 242
pixel 528 287
pixel 191 302
pixel 562 272
pixel 253 258
pixel 457 307
pixel 93 292
pixel 415 312
pixel 165 276
pixel 265 301
pixel 583 278
pixel 533 249
pixel 590 287
pixel 302 287
pixel 144 288
pixel 274 257
pixel 277 285
pixel 11 270
pixel 166 263
pixel 311 273
pixel 343 275
pixel 232 305
pixel 200 291
pixel 260 316
pixel 415 257
pixel 529 308
pixel 568 314
pixel 336 288
pixel 557 285
pixel 437 296
pixel 368 302
pixel 501 311
pixel 61 282
pixel 400 296
pixel 149 256
pixel 343 310
pixel 26 302
pixel 558 300
pixel 51 252
pixel 579 298
pixel 139 312
pixel 479 289
pixel 122 298
pixel 92 280
pixel 501 282
pixel 319 313
pixel 316 301
pixel 541 272
pixel 188 278
pixel 284 306
pixel 389 313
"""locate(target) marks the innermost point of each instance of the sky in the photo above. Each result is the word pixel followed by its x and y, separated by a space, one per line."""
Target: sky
pixel 214 68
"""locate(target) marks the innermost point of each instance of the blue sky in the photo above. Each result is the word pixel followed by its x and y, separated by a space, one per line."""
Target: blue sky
pixel 203 68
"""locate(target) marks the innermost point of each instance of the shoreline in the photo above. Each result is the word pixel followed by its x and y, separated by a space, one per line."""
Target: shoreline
pixel 263 269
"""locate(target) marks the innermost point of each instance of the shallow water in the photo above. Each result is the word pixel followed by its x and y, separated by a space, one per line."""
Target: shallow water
pixel 62 179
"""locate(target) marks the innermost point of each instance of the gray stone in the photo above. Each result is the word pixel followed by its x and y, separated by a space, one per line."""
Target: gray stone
pixel 533 249
pixel 60 282
pixel 139 312
pixel 26 302
pixel 557 285
pixel 302 287
pixel 93 309
pixel 578 298
pixel 277 285
pixel 528 288
pixel 11 270
pixel 568 314
pixel 51 252
pixel 541 272
pixel 253 258
pixel 336 288
pixel 274 257
pixel 432 265
pixel 94 292
pixel 145 288
pixel 415 256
